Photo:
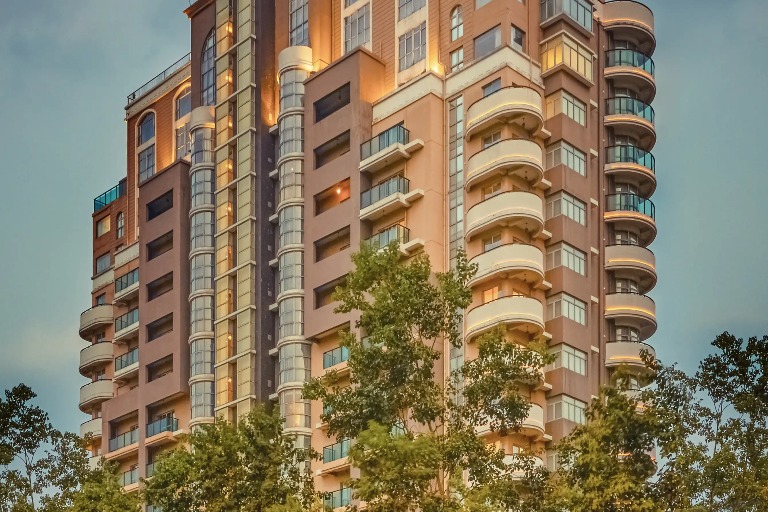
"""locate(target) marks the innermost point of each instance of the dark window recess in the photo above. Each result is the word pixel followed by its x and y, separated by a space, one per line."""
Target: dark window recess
pixel 324 293
pixel 331 244
pixel 332 149
pixel 487 42
pixel 332 196
pixel 160 205
pixel 160 245
pixel 329 104
pixel 492 87
pixel 159 368
pixel 160 286
pixel 159 327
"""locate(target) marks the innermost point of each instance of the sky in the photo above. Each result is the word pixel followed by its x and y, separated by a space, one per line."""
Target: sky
pixel 67 68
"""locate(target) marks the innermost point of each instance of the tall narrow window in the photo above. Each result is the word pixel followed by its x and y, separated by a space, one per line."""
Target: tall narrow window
pixel 120 225
pixel 183 108
pixel 457 59
pixel 518 39
pixel 207 71
pixel 184 102
pixel 147 129
pixel 413 46
pixel 457 23
pixel 357 28
pixel 299 23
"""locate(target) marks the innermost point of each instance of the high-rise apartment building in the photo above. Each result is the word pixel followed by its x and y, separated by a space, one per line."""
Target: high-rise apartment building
pixel 519 130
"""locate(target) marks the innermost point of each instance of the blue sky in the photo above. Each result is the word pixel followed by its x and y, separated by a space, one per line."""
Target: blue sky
pixel 68 66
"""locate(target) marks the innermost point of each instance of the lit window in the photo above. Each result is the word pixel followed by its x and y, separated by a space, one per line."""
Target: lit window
pixel 518 39
pixel 147 129
pixel 208 72
pixel 413 47
pixel 490 294
pixel 298 27
pixel 357 28
pixel 487 42
pixel 102 226
pixel 184 102
pixel 120 225
pixel 565 154
pixel 567 306
pixel 566 204
pixel 457 60
pixel 408 7
pixel 492 87
pixel 568 256
pixel 457 23
pixel 565 50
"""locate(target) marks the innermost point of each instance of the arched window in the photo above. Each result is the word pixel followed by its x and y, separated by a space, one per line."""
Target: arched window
pixel 208 93
pixel 457 23
pixel 183 102
pixel 146 128
pixel 120 225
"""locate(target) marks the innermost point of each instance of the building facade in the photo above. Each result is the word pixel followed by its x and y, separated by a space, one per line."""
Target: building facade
pixel 518 130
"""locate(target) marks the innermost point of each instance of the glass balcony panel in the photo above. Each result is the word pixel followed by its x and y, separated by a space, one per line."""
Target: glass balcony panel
pixel 396 233
pixel 395 185
pixel 127 320
pixel 123 440
pixel 630 106
pixel 127 359
pixel 162 425
pixel 630 155
pixel 630 58
pixel 395 135
pixel 126 280
pixel 335 356
pixel 630 203
pixel 336 451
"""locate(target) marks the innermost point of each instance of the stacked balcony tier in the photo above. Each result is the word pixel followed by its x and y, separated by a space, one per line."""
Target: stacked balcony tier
pixel 519 105
pixel 513 156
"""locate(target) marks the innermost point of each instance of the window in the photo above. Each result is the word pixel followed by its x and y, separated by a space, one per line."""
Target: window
pixel 486 43
pixel 101 299
pixel 566 204
pixel 578 10
pixel 567 256
pixel 201 315
pixel 295 410
pixel 565 50
pixel 457 23
pixel 160 205
pixel 160 286
pixel 147 163
pixel 564 153
pixel 357 28
pixel 625 333
pixel 103 263
pixel 568 306
pixel 518 39
pixel 201 395
pixel 291 129
pixel 492 87
pixel 201 272
pixel 490 294
pixel 201 230
pixel 566 408
pixel 413 46
pixel 183 141
pixel 626 286
pixel 336 451
pixel 160 245
pixel 332 244
pixel 120 225
pixel 491 242
pixel 298 23
pixel 457 60
pixel 102 226
pixel 491 190
pixel 347 3
pixel 291 271
pixel 146 129
pixel 331 197
pixel 480 3
pixel 202 187
pixel 294 363
pixel 201 357
pixel 332 149
pixel 408 7
pixel 126 280
pixel 491 139
pixel 324 293
pixel 290 225
pixel 625 238
pixel 292 88
pixel 184 102
pixel 569 358
pixel 332 102
pixel 291 317
pixel 159 327
pixel 564 103
pixel 208 71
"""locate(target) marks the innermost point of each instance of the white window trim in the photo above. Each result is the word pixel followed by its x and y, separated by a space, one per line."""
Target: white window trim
pixel 179 123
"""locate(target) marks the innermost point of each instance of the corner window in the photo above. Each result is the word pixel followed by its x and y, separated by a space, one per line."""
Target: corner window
pixel 102 226
pixel 566 204
pixel 457 23
pixel 413 46
pixel 486 43
pixel 146 128
pixel 207 72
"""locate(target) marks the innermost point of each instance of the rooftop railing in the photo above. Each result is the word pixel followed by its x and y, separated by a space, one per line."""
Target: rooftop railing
pixel 110 195
pixel 160 78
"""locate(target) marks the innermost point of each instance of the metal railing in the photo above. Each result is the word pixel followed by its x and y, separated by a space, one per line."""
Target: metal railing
pixel 630 106
pixel 129 477
pixel 335 356
pixel 335 451
pixel 167 424
pixel 127 320
pixel 630 203
pixel 160 78
pixel 110 195
pixel 340 498
pixel 126 280
pixel 397 233
pixel 127 359
pixel 630 155
pixel 123 440
pixel 394 185
pixel 395 135
pixel 631 58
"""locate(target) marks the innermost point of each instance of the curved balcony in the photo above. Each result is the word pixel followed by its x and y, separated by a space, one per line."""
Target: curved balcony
pixel 631 69
pixel 520 105
pixel 521 261
pixel 93 356
pixel 631 164
pixel 95 392
pixel 521 313
pixel 630 20
pixel 632 211
pixel 632 260
pixel 92 428
pixel 520 157
pixel 522 209
pixel 95 318
pixel 511 459
pixel 627 353
pixel 533 424
pixel 634 310
pixel 633 118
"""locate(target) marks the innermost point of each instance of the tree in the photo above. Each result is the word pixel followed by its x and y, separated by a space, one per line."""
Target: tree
pixel 415 439
pixel 102 491
pixel 41 467
pixel 251 466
